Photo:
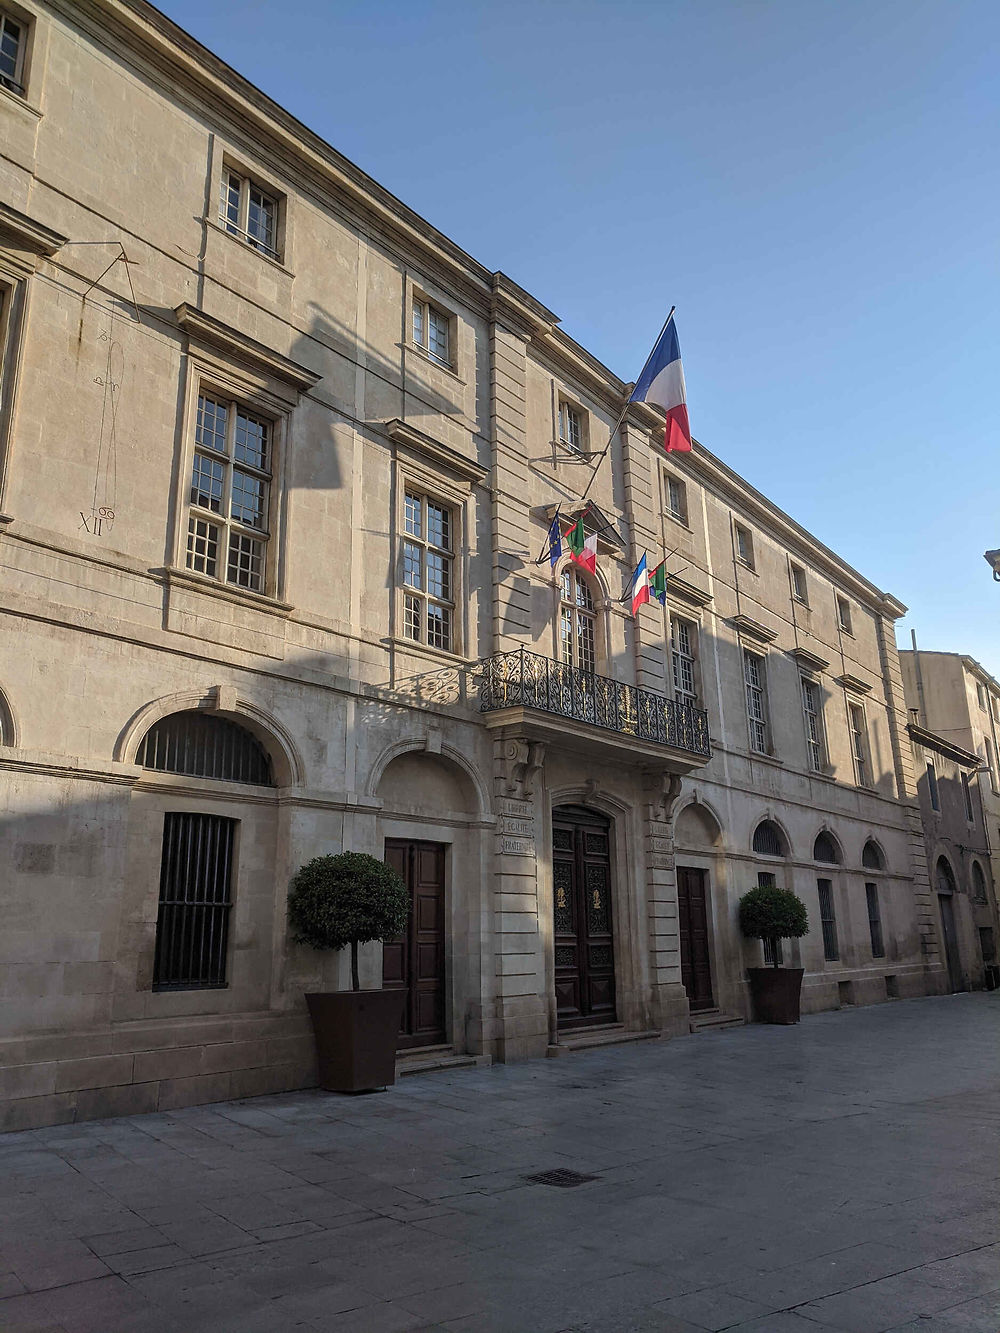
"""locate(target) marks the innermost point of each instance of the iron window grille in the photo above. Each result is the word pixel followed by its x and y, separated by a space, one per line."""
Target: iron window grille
pixel 432 332
pixel 744 545
pixel 230 495
pixel 932 787
pixel 812 712
pixel 774 954
pixel 799 589
pixel 859 744
pixel 570 427
pixel 828 920
pixel 12 43
pixel 753 675
pixel 522 679
pixel 871 856
pixel 677 499
pixel 682 635
pixel 192 922
pixel 204 745
pixel 767 839
pixel 874 921
pixel 978 883
pixel 247 211
pixel 428 571
pixel 844 615
pixel 577 622
pixel 825 849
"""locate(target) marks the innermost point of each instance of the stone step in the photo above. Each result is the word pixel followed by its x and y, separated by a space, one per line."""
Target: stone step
pixel 714 1020
pixel 430 1059
pixel 592 1038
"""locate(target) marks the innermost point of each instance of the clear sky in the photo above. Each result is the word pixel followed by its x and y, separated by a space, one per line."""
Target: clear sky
pixel 813 183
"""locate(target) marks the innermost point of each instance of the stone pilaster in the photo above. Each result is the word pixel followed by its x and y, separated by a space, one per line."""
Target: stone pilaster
pixel 639 480
pixel 511 489
pixel 670 1003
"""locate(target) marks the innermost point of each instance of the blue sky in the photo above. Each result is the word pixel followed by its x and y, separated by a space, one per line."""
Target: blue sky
pixel 813 183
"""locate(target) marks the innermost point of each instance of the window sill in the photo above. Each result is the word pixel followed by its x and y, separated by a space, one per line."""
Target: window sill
pixel 279 264
pixel 801 601
pixel 844 630
pixel 767 758
pixel 417 350
pixel 679 519
pixel 744 564
pixel 229 592
pixel 19 100
pixel 424 650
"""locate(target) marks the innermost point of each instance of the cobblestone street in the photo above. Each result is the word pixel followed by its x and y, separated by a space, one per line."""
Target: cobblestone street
pixel 840 1175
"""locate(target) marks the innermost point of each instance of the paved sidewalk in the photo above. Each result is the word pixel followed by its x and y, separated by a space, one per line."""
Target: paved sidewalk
pixel 840 1175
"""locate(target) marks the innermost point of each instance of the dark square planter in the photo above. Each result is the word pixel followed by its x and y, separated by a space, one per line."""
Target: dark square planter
pixel 775 992
pixel 356 1034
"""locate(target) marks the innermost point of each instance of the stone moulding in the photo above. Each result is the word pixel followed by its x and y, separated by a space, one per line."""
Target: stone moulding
pixel 749 628
pixel 808 659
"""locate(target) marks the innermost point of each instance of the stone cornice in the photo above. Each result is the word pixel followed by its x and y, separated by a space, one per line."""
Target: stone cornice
pixel 810 660
pixel 440 455
pixel 28 233
pixel 749 628
pixel 853 683
pixel 687 592
pixel 204 328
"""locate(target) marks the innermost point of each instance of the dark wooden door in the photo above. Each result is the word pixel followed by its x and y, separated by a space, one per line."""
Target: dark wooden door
pixel 950 933
pixel 416 961
pixel 692 915
pixel 584 939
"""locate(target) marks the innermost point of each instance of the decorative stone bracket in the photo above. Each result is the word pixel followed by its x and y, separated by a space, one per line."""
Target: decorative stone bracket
pixel 662 789
pixel 523 762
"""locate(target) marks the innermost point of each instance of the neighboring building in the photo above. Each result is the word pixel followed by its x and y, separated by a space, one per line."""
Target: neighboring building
pixel 953 696
pixel 270 590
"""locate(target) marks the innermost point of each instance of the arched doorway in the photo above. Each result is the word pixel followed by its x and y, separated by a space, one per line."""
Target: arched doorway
pixel 697 832
pixel 582 917
pixel 945 877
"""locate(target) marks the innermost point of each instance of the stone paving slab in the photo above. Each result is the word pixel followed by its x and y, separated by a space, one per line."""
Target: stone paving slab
pixel 841 1175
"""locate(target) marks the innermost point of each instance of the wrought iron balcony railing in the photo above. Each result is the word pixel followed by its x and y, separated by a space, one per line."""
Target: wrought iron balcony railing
pixel 522 679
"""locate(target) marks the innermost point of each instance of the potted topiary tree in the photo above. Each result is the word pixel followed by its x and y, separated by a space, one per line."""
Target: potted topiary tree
pixel 350 899
pixel 772 914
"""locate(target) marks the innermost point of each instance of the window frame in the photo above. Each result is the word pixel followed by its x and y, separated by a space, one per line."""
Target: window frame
pixel 428 497
pixel 743 545
pixel 932 786
pixel 970 811
pixel 247 182
pixel 426 305
pixel 800 587
pixel 223 907
pixel 568 415
pixel 875 931
pixel 678 512
pixel 828 920
pixel 816 751
pixel 860 745
pixel 570 609
pixel 684 655
pixel 16 83
pixel 760 687
pixel 844 618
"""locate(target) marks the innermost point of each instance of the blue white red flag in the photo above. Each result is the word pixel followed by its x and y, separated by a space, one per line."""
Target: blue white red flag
pixel 662 383
pixel 640 584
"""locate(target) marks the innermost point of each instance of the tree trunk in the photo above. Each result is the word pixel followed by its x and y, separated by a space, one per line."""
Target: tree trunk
pixel 355 983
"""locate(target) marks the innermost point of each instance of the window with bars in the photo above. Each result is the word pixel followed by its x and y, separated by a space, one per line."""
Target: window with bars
pixel 828 920
pixel 812 711
pixel 682 656
pixel 753 676
pixel 844 615
pixel 432 331
pixel 932 787
pixel 577 622
pixel 192 921
pixel 744 545
pixel 874 921
pixel 826 849
pixel 204 745
pixel 677 499
pixel 859 744
pixel 967 795
pixel 230 494
pixel 570 426
pixel 871 856
pixel 773 953
pixel 978 883
pixel 428 571
pixel 13 34
pixel 799 589
pixel 768 839
pixel 247 211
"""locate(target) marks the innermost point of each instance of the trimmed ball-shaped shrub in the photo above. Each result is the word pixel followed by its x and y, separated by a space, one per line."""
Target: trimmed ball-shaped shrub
pixel 350 898
pixel 770 913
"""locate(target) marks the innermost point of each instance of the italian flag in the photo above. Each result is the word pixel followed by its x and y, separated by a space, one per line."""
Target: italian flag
pixel 658 583
pixel 582 549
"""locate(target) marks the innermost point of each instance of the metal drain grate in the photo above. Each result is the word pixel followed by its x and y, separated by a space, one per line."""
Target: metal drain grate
pixel 561 1177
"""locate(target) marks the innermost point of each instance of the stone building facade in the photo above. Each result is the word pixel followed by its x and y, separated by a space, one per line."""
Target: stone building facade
pixel 278 464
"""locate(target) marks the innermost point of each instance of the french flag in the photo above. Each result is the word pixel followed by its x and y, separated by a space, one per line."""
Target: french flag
pixel 662 383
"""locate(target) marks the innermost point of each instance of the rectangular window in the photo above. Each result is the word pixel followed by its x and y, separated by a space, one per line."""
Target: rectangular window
pixel 744 545
pixel 682 643
pixel 773 952
pixel 874 921
pixel 432 331
pixel 828 920
pixel 247 211
pixel 967 793
pixel 989 762
pixel 812 709
pixel 859 744
pixel 570 427
pixel 192 923
pixel 12 43
pixel 677 499
pixel 227 533
pixel 799 590
pixel 844 614
pixel 428 571
pixel 932 787
pixel 753 675
pixel 981 695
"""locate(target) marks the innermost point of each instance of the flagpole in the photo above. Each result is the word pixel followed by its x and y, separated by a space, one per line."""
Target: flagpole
pixel 624 412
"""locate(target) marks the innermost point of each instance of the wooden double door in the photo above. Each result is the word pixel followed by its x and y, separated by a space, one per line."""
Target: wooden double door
pixel 692 919
pixel 583 920
pixel 416 961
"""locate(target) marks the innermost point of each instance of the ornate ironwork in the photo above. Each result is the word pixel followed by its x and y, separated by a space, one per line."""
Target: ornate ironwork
pixel 522 679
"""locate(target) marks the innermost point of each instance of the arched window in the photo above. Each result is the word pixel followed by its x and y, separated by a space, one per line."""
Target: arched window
pixel 826 849
pixel 577 621
pixel 978 883
pixel 204 745
pixel 945 876
pixel 871 856
pixel 768 839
